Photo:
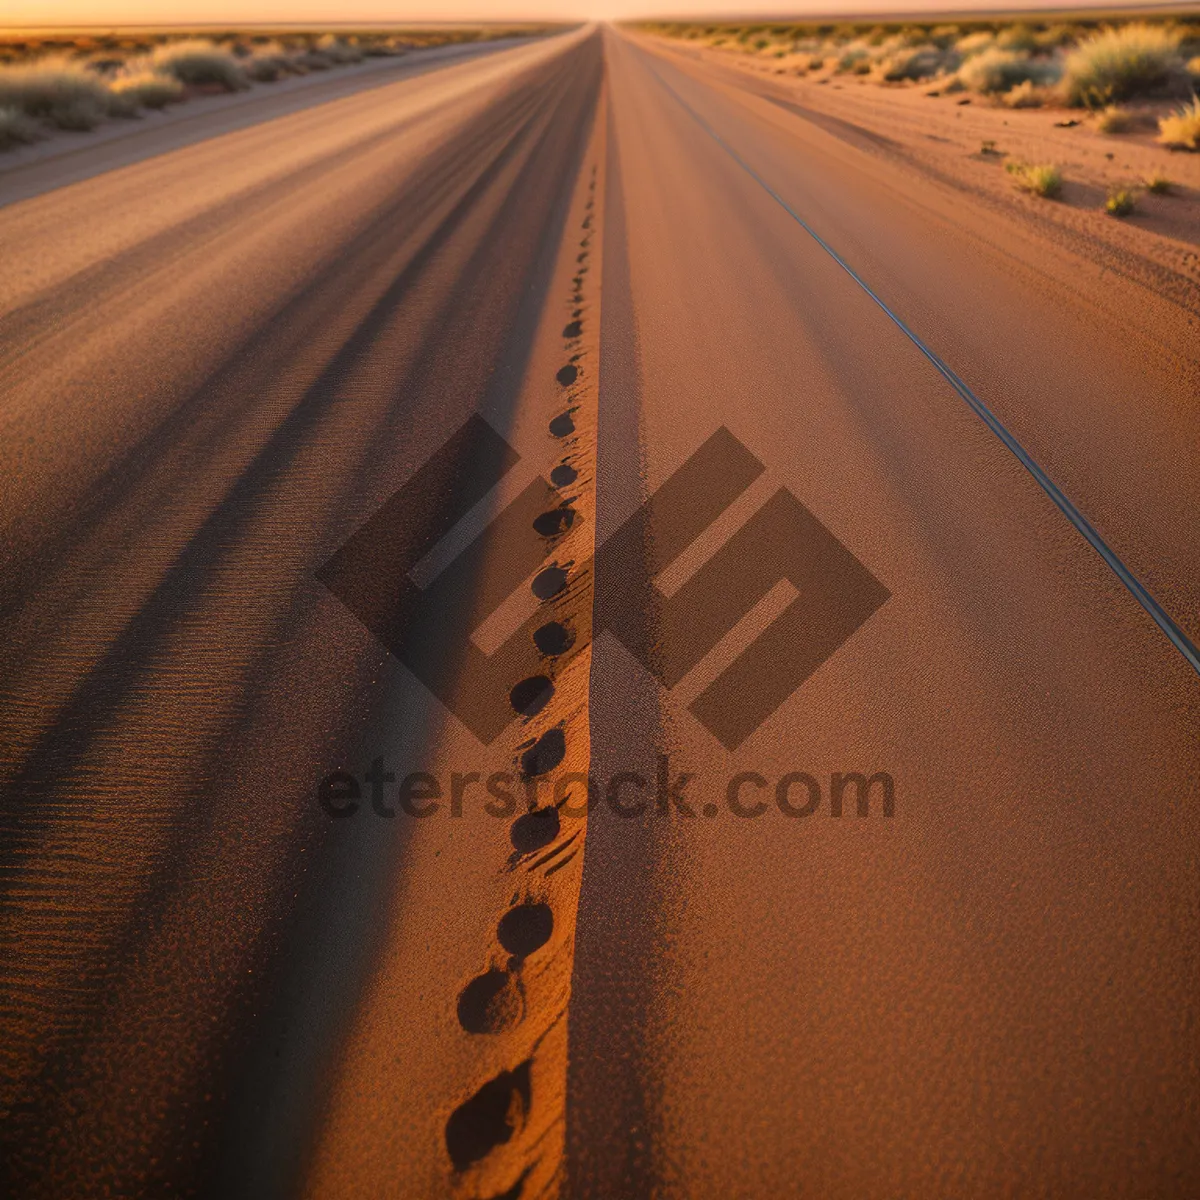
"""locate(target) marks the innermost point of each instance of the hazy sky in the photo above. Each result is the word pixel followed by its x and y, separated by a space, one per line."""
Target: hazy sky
pixel 156 12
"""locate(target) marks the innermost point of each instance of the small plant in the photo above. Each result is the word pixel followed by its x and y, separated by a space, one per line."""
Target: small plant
pixel 988 146
pixel 1114 120
pixel 1182 128
pixel 1119 63
pixel 1042 179
pixel 1157 184
pixel 1119 203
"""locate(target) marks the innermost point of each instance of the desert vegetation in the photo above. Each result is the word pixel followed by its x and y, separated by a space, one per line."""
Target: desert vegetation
pixel 1120 202
pixel 1181 129
pixel 1091 62
pixel 1039 179
pixel 56 91
pixel 16 129
pixel 1115 119
pixel 77 82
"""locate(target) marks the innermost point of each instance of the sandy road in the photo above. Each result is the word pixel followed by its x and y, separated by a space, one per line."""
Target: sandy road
pixel 219 362
pixel 987 993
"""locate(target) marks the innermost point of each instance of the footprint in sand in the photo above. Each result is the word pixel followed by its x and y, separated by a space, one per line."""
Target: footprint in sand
pixel 490 1118
pixel 531 695
pixel 491 1003
pixel 526 928
pixel 545 754
pixel 548 583
pixel 535 830
pixel 555 522
pixel 553 638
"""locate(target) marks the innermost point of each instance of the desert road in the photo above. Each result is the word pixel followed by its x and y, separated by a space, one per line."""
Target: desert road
pixel 571 629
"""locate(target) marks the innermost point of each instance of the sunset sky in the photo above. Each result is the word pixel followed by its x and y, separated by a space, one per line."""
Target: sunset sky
pixel 155 12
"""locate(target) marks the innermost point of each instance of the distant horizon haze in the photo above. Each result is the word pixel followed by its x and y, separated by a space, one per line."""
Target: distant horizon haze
pixel 32 14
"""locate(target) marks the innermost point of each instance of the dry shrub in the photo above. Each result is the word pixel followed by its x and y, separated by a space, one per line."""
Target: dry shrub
pixel 1114 119
pixel 1117 64
pixel 199 62
pixel 1181 129
pixel 914 62
pixel 146 89
pixel 1025 95
pixel 975 43
pixel 16 129
pixel 1039 179
pixel 998 70
pixel 337 50
pixel 65 93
